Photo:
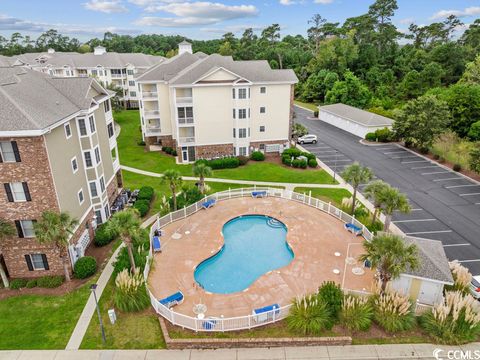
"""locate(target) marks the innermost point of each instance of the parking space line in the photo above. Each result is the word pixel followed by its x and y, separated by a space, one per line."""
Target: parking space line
pixel 414 220
pixel 448 179
pixel 429 232
pixel 436 172
pixel 450 245
pixel 472 194
pixel 467 261
pixel 457 186
pixel 416 161
pixel 338 160
pixel 385 147
pixel 424 167
pixel 404 157
pixel 395 152
pixel 326 151
pixel 319 147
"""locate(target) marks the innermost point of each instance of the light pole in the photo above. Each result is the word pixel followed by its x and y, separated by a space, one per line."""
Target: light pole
pixel 93 287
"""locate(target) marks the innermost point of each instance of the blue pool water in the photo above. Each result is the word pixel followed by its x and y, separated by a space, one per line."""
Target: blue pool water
pixel 254 245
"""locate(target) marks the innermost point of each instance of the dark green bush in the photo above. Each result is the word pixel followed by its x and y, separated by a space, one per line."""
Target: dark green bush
pixel 167 149
pixel 297 163
pixel 102 237
pixel 142 206
pixel 332 295
pixel 50 281
pixel 287 160
pixel 145 193
pixel 315 113
pixel 16 284
pixel 243 160
pixel 188 196
pixel 141 143
pixel 457 167
pixel 371 136
pixel 174 153
pixel 85 267
pixel 257 156
pixel 225 163
pixel 384 135
pixel 31 284
pixel 436 156
pixel 423 150
pixel 308 155
pixel 441 159
pixel 312 163
pixel 292 152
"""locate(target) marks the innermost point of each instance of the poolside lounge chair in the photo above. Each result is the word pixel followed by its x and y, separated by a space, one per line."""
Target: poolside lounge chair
pixel 354 229
pixel 266 313
pixel 209 324
pixel 156 244
pixel 259 194
pixel 209 203
pixel 172 300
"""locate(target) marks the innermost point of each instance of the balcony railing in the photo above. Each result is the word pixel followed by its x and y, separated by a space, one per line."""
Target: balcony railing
pixel 149 113
pixel 186 140
pixel 184 100
pixel 149 94
pixel 183 121
pixel 118 75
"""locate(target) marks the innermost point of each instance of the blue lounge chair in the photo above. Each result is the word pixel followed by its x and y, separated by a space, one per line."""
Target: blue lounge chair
pixel 259 194
pixel 209 324
pixel 208 204
pixel 172 300
pixel 354 229
pixel 156 244
pixel 367 264
pixel 266 313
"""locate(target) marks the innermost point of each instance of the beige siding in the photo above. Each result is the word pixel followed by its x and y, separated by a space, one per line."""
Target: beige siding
pixel 104 143
pixel 164 106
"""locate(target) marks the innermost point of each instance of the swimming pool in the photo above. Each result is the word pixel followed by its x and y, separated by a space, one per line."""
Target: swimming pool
pixel 253 246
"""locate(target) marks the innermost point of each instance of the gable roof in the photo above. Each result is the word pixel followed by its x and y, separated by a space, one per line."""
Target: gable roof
pixel 357 115
pixel 169 68
pixel 31 100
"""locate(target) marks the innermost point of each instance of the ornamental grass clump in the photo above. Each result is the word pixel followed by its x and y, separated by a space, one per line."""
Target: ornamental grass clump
pixel 461 278
pixel 130 293
pixel 356 313
pixel 309 316
pixel 454 321
pixel 393 312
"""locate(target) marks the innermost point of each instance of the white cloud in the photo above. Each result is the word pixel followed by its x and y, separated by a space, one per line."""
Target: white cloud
pixel 470 11
pixel 324 2
pixel 111 6
pixel 233 28
pixel 287 2
pixel 408 20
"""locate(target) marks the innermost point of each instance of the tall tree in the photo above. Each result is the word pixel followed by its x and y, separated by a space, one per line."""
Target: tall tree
pixel 356 175
pixel 174 181
pixel 350 91
pixel 202 171
pixel 373 191
pixel 391 199
pixel 6 230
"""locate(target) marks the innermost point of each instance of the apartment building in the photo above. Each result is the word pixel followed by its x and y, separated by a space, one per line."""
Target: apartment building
pixel 118 69
pixel 58 152
pixel 212 106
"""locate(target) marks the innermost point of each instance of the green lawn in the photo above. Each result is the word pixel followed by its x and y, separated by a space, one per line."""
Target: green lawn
pixel 313 107
pixel 40 322
pixel 131 331
pixel 134 155
pixel 327 195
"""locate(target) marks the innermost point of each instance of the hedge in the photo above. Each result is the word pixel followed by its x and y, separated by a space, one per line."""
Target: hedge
pixel 142 206
pixel 85 267
pixel 18 284
pixel 102 238
pixel 145 193
pixel 50 281
pixel 257 156
pixel 224 163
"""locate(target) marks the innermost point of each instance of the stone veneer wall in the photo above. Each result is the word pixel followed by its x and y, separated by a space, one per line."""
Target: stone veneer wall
pixel 256 144
pixel 167 140
pixel 211 151
pixel 112 188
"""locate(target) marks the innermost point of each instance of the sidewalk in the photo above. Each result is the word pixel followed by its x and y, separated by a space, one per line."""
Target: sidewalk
pixel 352 352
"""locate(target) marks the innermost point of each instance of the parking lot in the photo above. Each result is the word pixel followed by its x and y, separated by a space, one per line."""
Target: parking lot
pixel 445 205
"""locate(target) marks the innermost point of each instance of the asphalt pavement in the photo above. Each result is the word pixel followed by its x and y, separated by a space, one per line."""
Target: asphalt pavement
pixel 445 205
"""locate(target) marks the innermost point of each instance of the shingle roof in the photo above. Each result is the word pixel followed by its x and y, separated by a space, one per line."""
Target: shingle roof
pixel 31 100
pixel 169 68
pixel 360 116
pixel 6 61
pixel 433 260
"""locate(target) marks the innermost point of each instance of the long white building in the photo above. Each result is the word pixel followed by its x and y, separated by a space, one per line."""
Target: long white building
pixel 210 106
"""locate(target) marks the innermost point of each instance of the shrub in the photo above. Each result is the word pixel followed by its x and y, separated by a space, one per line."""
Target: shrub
pixel 102 237
pixel 371 136
pixel 308 155
pixel 315 113
pixel 130 292
pixel 384 135
pixel 142 206
pixel 423 150
pixel 474 162
pixel 140 252
pixel 461 278
pixel 174 153
pixel 331 294
pixel 312 163
pixel 454 321
pixel 356 313
pixel 167 149
pixel 189 195
pixel 457 167
pixel 85 267
pixel 297 163
pixel 224 163
pixel 141 143
pixel 16 284
pixel 257 156
pixel 50 281
pixel 31 284
pixel 309 315
pixel 287 160
pixel 292 152
pixel 145 193
pixel 436 156
pixel 393 312
pixel 441 159
pixel 243 160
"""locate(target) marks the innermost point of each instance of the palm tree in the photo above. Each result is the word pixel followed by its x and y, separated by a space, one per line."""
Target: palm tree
pixel 356 175
pixel 125 225
pixel 392 199
pixel 56 228
pixel 390 255
pixel 201 170
pixel 373 192
pixel 6 230
pixel 174 180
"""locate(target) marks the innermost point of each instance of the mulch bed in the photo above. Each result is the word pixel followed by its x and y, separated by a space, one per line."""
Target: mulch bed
pixel 101 254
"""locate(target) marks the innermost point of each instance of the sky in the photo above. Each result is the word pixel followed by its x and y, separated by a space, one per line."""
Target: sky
pixel 206 19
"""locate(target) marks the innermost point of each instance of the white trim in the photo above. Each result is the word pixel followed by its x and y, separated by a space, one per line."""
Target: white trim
pixel 427 279
pixel 85 160
pixel 67 124
pixel 76 162
pixel 320 109
pixel 90 189
pixel 99 160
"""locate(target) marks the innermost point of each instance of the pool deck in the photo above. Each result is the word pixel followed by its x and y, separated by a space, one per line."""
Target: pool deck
pixel 313 235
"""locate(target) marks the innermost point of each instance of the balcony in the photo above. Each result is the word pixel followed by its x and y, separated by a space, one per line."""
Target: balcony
pixel 149 95
pixel 118 76
pixel 152 113
pixel 185 121
pixel 184 100
pixel 186 140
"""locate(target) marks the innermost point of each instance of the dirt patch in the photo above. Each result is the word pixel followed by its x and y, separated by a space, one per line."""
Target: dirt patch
pixel 101 254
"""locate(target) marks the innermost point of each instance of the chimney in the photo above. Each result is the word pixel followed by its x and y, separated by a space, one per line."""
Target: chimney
pixel 184 47
pixel 99 50
pixel 51 51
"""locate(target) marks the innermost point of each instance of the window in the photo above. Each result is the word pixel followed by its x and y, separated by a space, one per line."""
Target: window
pixel 263 90
pixel 9 151
pixel 81 127
pixel 185 115
pixel 242 113
pixel 74 165
pixel 68 131
pixel 262 110
pixel 110 130
pixel 36 262
pixel 80 197
pixel 97 155
pixel 131 83
pixel 106 105
pixel 234 133
pixel 130 72
pixel 233 93
pixel 88 159
pixel 25 228
pixel 91 120
pixel 133 93
pixel 107 211
pixel 102 184
pixel 262 146
pixel 262 128
pixel 94 72
pixel 17 192
pixel 93 189
pixel 234 114
pixel 242 133
pixel 98 217
pixel 242 151
pixel 242 93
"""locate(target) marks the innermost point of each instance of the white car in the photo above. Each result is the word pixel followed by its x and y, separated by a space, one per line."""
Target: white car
pixel 307 139
pixel 475 287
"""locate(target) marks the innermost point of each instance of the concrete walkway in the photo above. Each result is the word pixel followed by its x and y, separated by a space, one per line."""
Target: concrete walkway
pixel 352 352
pixel 288 186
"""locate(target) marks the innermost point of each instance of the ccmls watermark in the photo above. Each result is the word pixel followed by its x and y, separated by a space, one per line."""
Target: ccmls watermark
pixel 440 354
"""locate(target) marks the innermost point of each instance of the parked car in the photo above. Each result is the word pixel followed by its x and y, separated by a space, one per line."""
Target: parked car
pixel 475 287
pixel 307 139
